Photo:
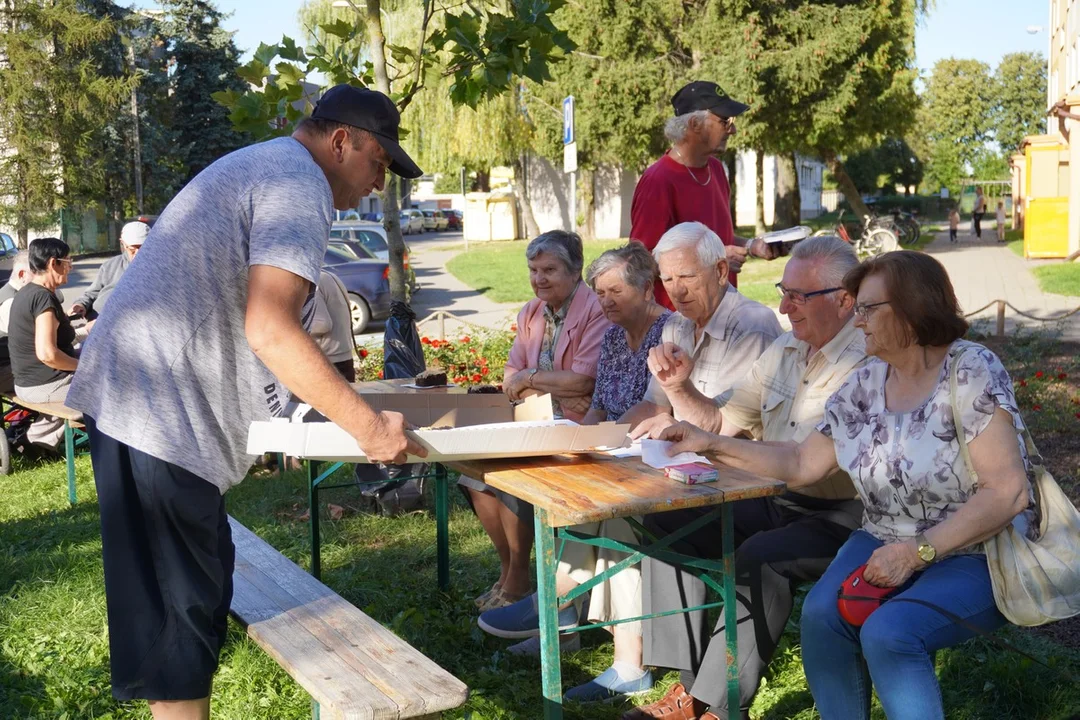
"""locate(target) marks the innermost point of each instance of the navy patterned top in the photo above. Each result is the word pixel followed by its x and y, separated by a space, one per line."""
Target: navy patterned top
pixel 622 375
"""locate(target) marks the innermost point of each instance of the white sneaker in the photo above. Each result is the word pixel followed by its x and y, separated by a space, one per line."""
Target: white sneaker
pixel 568 642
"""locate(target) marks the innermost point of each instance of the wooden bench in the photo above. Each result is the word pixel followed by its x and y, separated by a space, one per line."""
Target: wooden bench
pixel 351 665
pixel 72 423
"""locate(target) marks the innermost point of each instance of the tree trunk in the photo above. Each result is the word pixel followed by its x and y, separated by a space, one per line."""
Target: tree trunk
pixel 588 205
pixel 391 210
pixel 788 202
pixel 730 157
pixel 759 192
pixel 521 192
pixel 851 193
pixel 483 180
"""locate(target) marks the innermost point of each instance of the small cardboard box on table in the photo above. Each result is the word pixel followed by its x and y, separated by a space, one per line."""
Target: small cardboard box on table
pixel 451 425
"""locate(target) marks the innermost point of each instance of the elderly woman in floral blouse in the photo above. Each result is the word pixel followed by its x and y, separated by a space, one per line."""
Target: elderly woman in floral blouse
pixel 623 280
pixel 891 428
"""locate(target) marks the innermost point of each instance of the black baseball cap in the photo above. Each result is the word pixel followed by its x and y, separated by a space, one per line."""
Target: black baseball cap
pixel 705 95
pixel 372 111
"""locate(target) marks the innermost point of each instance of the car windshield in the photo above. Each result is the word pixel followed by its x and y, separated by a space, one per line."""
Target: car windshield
pixel 343 248
pixel 373 241
pixel 335 256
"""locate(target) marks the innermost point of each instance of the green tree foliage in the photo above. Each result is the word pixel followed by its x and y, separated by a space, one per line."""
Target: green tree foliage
pixel 823 78
pixel 1020 84
pixel 956 119
pixel 884 167
pixel 205 62
pixel 54 99
pixel 483 48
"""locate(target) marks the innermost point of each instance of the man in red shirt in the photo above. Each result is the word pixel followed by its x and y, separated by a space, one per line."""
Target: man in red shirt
pixel 688 183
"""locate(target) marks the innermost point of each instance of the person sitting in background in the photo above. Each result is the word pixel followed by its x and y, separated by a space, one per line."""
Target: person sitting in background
pixel 331 325
pixel 555 351
pixel 623 280
pixel 892 428
pixel 20 275
pixel 723 332
pixel 780 541
pixel 41 338
pixel 90 304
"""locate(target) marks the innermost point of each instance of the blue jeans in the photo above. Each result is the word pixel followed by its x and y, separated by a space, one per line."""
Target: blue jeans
pixel 895 647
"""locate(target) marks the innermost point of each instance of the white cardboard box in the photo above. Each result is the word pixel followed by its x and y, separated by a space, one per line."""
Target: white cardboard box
pixel 470 427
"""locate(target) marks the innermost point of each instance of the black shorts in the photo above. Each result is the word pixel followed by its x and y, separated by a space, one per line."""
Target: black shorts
pixel 169 558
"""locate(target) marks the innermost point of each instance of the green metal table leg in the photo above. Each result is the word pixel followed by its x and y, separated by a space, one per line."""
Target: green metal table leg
pixel 281 464
pixel 442 525
pixel 69 449
pixel 549 616
pixel 731 623
pixel 313 513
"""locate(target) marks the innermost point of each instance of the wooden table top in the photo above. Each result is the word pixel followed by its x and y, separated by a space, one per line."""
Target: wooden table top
pixel 585 488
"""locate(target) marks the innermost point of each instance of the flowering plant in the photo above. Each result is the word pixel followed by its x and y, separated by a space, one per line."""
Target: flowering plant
pixel 474 359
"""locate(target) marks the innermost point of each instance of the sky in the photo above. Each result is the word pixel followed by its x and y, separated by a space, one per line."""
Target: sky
pixel 980 29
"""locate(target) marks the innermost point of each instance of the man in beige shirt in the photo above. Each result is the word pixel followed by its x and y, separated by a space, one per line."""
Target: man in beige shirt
pixel 781 540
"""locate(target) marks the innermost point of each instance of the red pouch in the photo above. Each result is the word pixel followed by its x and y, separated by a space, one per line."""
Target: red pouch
pixel 857 598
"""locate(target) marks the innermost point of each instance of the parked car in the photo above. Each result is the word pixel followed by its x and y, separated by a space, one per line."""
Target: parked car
pixel 442 223
pixel 360 243
pixel 412 221
pixel 453 219
pixel 8 251
pixel 367 283
pixel 430 222
pixel 372 217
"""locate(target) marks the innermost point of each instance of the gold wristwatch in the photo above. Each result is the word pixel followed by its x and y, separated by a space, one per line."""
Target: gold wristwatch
pixel 926 551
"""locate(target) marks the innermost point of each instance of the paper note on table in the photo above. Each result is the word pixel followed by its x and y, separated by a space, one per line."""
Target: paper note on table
pixel 633 450
pixel 654 453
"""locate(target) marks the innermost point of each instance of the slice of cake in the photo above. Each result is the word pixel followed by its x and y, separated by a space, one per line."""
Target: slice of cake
pixel 431 378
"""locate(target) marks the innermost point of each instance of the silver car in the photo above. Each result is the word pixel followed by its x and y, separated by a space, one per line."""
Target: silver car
pixel 8 251
pixel 412 221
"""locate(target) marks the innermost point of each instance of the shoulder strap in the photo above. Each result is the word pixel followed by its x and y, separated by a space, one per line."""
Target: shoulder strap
pixel 957 421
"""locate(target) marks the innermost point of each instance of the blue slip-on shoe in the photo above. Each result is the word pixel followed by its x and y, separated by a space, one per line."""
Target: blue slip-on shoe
pixel 608 688
pixel 522 619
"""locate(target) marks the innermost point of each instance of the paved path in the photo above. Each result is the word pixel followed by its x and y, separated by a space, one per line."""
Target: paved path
pixel 984 270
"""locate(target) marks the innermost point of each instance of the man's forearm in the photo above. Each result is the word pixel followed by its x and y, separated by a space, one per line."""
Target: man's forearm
pixel 695 408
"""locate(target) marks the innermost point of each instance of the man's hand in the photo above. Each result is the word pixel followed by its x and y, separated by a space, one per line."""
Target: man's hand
pixel 386 441
pixel 689 438
pixel 761 249
pixel 517 385
pixel 671 366
pixel 651 427
pixel 736 256
pixel 891 565
pixel 78 309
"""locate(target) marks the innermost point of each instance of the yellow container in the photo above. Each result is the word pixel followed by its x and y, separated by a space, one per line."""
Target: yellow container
pixel 1046 223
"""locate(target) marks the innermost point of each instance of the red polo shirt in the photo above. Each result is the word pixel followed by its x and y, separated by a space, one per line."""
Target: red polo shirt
pixel 667 194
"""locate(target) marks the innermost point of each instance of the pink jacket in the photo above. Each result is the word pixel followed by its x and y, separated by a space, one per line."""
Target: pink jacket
pixel 578 348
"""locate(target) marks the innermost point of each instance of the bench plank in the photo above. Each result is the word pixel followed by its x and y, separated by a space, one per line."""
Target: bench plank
pixel 349 663
pixel 56 409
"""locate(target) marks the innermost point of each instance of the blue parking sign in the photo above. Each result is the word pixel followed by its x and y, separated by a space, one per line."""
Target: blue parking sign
pixel 568 120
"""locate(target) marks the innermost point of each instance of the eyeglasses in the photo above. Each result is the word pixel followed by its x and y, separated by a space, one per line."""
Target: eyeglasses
pixel 799 297
pixel 726 122
pixel 863 309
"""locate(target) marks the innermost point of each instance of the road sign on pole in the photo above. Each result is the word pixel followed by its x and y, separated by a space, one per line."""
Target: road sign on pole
pixel 568 120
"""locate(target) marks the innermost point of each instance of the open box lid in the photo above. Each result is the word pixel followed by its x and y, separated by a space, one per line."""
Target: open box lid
pixel 467 430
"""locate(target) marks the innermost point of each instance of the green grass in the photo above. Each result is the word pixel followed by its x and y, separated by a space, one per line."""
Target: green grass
pixel 1059 278
pixel 1015 241
pixel 499 270
pixel 54 651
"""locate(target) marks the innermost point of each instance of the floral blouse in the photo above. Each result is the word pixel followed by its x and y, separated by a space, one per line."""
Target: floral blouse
pixel 907 466
pixel 622 375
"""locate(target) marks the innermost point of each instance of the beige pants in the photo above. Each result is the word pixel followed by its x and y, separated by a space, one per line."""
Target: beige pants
pixel 620 596
pixel 46 430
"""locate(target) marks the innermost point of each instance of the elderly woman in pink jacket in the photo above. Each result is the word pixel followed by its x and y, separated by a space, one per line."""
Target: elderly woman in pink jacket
pixel 555 352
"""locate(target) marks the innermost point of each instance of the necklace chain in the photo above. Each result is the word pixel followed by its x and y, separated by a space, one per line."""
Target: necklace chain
pixel 707 167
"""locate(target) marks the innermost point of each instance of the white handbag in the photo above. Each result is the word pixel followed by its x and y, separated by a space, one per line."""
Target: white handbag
pixel 1035 581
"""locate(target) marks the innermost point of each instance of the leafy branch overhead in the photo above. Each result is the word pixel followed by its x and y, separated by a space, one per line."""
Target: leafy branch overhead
pixel 481 50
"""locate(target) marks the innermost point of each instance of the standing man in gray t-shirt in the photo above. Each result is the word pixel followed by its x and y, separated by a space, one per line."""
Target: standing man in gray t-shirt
pixel 206 333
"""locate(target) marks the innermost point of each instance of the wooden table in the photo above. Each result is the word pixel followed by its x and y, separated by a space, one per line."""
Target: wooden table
pixel 568 490
pixel 438 472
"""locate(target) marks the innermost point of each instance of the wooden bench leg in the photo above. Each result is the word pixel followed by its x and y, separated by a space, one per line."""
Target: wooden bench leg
pixel 69 449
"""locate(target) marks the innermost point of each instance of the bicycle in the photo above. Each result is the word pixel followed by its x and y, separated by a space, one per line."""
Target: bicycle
pixel 871 241
pixel 904 225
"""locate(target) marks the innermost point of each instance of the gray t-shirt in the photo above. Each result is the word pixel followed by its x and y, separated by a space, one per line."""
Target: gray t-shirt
pixel 168 370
